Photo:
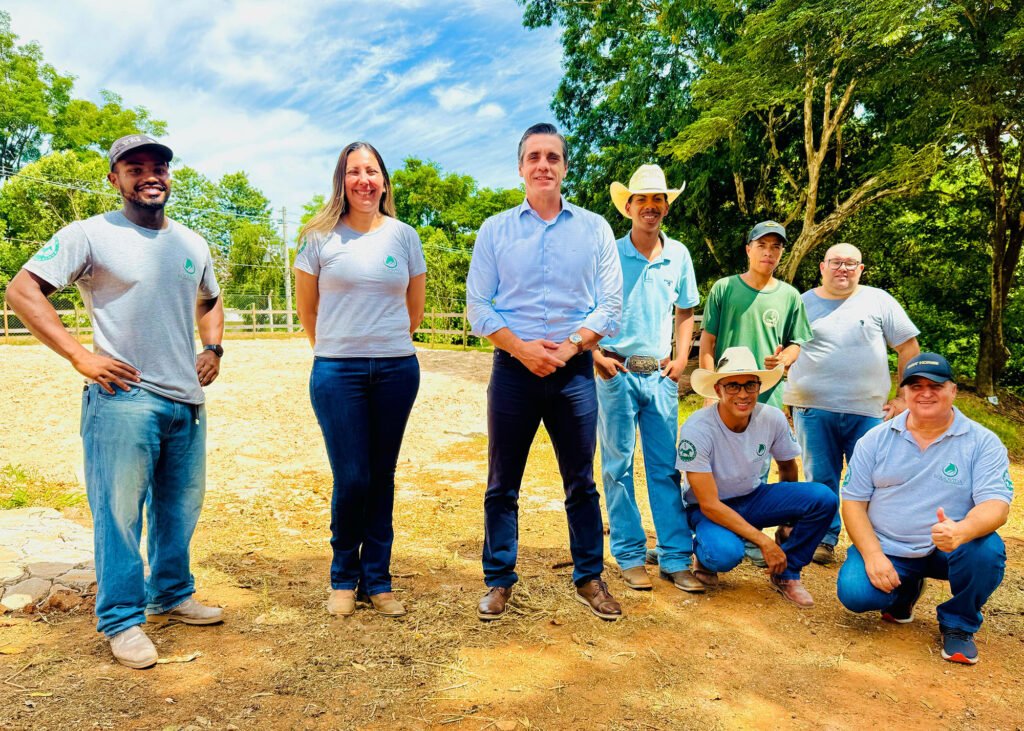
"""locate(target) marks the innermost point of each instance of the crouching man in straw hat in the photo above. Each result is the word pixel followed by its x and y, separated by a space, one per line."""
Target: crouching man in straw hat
pixel 724 449
pixel 923 497
pixel 637 384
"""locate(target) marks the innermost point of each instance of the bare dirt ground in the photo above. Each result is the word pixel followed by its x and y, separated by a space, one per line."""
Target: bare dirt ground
pixel 736 658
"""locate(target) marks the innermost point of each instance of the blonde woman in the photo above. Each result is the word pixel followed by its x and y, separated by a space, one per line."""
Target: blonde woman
pixel 360 282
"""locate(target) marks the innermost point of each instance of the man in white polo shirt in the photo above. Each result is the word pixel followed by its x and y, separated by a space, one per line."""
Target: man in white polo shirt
pixel 923 497
pixel 839 386
pixel 725 450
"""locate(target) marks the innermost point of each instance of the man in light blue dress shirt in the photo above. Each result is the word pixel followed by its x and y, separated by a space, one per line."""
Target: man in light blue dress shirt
pixel 637 385
pixel 544 287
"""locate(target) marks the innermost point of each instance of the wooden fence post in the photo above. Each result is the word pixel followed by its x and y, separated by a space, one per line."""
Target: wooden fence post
pixel 465 329
pixel 78 330
pixel 253 310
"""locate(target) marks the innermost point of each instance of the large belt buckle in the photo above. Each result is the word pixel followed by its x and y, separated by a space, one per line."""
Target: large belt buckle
pixel 642 364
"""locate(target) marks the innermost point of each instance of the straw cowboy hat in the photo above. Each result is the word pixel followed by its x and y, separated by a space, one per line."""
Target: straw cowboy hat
pixel 647 179
pixel 737 361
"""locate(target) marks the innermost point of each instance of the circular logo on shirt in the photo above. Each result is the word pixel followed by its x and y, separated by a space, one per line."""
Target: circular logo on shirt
pixel 390 262
pixel 770 318
pixel 950 470
pixel 48 251
pixel 190 268
pixel 761 449
pixel 687 452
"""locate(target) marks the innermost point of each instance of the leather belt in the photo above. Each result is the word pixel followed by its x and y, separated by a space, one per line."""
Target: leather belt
pixel 641 364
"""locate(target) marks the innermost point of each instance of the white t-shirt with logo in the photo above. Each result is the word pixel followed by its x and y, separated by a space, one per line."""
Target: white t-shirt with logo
pixel 905 487
pixel 140 289
pixel 736 460
pixel 363 279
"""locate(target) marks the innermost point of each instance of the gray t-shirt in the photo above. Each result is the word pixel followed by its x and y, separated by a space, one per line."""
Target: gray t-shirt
pixel 845 367
pixel 363 279
pixel 904 487
pixel 140 288
pixel 737 460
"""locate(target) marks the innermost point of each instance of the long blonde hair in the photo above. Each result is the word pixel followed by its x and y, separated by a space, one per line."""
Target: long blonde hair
pixel 324 221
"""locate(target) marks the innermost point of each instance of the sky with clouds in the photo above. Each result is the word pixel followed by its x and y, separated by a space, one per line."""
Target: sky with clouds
pixel 277 88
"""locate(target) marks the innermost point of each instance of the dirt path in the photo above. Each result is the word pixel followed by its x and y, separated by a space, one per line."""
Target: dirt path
pixel 738 658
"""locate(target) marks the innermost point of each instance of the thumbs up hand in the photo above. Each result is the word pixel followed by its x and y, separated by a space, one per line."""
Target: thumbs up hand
pixel 946 533
pixel 773 360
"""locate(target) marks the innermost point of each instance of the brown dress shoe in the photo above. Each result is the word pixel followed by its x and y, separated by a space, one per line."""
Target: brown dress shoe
pixel 792 590
pixel 494 603
pixel 708 578
pixel 386 604
pixel 685 580
pixel 637 578
pixel 595 595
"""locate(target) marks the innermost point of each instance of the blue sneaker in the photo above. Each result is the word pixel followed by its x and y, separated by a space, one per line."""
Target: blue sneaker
pixel 902 609
pixel 958 646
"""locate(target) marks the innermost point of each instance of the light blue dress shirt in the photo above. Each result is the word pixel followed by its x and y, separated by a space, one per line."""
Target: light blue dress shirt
pixel 904 487
pixel 649 290
pixel 544 279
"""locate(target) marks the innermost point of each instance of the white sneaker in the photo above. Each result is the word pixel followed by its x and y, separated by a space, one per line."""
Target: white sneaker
pixel 189 612
pixel 133 649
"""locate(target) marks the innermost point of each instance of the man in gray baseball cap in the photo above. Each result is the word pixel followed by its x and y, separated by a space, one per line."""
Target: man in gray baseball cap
pixel 132 143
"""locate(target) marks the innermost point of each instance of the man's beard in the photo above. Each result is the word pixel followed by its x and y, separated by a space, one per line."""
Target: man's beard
pixel 138 202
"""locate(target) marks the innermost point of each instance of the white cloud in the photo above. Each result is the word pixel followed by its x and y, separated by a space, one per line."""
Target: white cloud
pixel 490 111
pixel 455 98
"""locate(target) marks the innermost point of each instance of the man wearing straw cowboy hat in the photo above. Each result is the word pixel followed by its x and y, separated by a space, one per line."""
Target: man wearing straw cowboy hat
pixel 636 384
pixel 724 450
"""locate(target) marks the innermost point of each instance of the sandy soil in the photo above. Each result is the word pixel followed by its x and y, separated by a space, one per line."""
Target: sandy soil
pixel 737 658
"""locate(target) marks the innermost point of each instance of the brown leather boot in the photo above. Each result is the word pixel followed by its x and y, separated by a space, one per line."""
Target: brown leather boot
pixel 595 595
pixel 494 603
pixel 386 604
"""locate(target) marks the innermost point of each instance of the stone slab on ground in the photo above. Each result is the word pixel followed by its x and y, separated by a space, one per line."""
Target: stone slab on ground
pixel 41 549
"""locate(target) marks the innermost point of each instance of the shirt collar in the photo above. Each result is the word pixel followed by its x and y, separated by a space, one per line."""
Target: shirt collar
pixel 627 248
pixel 567 208
pixel 961 424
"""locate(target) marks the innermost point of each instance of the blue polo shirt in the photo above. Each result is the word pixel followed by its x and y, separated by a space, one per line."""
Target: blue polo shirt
pixel 649 290
pixel 904 487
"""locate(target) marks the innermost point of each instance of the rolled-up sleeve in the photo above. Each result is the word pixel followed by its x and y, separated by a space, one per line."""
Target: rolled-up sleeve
pixel 606 315
pixel 482 285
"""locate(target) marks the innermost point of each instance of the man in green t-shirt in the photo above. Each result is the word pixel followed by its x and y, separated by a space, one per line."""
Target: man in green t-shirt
pixel 756 310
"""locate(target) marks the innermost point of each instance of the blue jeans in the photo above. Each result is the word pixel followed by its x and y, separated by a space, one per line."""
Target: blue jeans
pixel 649 401
pixel 807 506
pixel 517 403
pixel 974 571
pixel 142 449
pixel 363 405
pixel 826 438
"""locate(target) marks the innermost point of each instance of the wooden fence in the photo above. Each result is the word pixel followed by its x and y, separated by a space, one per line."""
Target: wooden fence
pixel 251 321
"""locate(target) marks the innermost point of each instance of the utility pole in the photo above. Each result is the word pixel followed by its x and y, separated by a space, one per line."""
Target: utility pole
pixel 287 269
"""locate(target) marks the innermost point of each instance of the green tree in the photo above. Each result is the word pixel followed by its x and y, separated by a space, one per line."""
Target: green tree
pixel 37 110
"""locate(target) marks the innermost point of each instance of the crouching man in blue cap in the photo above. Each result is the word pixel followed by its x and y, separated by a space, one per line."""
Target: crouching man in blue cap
pixel 923 497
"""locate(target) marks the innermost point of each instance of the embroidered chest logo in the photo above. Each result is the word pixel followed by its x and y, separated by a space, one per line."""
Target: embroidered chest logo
pixel 951 474
pixel 687 452
pixel 770 318
pixel 390 262
pixel 190 268
pixel 761 449
pixel 48 251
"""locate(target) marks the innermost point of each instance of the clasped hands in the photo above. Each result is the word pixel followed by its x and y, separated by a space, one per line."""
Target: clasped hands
pixel 947 535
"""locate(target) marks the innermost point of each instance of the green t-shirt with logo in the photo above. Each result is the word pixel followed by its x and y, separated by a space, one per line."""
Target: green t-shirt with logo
pixel 737 314
pixel 140 289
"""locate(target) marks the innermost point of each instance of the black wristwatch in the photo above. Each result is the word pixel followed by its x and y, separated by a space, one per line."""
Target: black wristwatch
pixel 218 350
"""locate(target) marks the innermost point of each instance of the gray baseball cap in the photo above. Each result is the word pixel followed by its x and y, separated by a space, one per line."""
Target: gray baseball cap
pixel 128 143
pixel 767 227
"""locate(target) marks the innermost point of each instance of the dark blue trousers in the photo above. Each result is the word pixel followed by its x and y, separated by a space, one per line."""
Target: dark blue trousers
pixel 974 571
pixel 363 405
pixel 517 402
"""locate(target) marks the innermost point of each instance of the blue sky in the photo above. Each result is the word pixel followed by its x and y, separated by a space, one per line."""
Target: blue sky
pixel 277 88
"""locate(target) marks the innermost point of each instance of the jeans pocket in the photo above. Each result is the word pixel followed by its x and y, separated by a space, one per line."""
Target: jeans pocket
pixel 84 418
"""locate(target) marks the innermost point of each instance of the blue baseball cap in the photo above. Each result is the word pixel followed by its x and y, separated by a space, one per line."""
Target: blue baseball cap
pixel 927 365
pixel 767 227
